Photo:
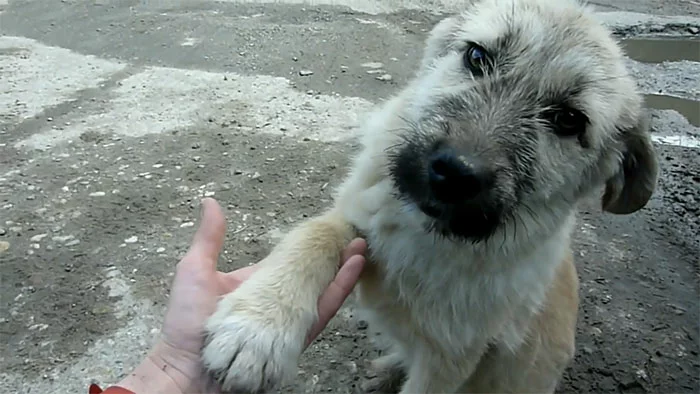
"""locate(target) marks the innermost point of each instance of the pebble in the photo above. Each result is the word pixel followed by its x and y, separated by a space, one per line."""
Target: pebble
pixel 73 242
pixel 160 250
pixel 187 224
pixel 2 231
pixel 305 73
pixel 4 245
pixel 372 65
pixel 97 194
pixel 209 194
pixel 384 77
pixel 362 324
pixel 62 238
pixel 131 240
pixel 38 237
pixel 101 309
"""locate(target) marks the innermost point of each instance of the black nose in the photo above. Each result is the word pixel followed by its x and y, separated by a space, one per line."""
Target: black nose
pixel 456 179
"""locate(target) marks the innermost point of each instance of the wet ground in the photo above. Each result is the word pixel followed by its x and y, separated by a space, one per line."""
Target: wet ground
pixel 117 116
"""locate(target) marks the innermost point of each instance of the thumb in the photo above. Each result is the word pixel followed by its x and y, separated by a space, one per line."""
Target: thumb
pixel 209 238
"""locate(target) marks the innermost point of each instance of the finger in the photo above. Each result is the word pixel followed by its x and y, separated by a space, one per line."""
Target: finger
pixel 231 280
pixel 209 238
pixel 337 292
pixel 357 246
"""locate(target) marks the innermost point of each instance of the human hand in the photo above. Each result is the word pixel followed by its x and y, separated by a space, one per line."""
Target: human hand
pixel 194 294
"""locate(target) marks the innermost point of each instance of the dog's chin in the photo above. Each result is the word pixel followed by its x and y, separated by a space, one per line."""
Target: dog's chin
pixel 464 223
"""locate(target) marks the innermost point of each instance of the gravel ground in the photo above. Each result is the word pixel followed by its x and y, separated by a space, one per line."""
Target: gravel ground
pixel 117 116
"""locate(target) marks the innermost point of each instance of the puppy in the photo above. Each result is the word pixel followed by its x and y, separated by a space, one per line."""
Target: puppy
pixel 466 191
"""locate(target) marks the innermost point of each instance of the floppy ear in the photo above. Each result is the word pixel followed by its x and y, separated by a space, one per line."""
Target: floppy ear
pixel 631 187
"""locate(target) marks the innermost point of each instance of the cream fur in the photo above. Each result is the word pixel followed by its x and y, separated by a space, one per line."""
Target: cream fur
pixel 487 317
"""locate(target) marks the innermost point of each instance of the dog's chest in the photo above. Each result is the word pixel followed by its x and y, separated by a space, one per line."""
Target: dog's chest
pixel 432 287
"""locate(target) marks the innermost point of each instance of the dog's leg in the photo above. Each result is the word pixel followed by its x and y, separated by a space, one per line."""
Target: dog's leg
pixel 255 337
pixel 431 372
pixel 389 374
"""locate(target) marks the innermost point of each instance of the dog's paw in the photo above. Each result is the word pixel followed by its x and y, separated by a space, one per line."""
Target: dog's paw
pixel 250 354
pixel 386 375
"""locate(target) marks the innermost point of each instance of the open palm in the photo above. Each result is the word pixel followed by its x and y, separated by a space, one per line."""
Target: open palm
pixel 198 285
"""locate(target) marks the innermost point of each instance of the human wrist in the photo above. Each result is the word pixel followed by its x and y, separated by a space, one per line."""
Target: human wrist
pixel 159 372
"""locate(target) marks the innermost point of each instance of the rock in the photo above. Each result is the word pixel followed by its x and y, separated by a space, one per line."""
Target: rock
pixel 362 324
pixel 4 245
pixel 305 73
pixel 384 77
pixel 693 30
pixel 2 231
pixel 131 240
pixel 97 194
pixel 38 237
pixel 160 250
pixel 62 238
pixel 101 309
pixel 187 224
pixel 73 242
pixel 372 65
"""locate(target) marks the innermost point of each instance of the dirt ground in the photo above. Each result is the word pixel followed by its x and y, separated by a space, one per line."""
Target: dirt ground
pixel 117 117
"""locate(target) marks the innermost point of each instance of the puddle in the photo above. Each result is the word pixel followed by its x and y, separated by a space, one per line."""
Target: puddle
pixel 690 109
pixel 660 49
pixel 667 49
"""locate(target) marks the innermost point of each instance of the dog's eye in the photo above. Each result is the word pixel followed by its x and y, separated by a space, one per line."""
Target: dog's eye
pixel 475 59
pixel 568 121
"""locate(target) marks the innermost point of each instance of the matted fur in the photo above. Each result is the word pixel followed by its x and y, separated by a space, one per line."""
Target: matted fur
pixel 482 306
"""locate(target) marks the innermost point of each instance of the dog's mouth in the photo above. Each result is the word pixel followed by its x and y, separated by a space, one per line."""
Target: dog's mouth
pixel 464 221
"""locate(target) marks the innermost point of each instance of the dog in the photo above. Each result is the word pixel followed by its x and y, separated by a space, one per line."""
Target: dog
pixel 466 189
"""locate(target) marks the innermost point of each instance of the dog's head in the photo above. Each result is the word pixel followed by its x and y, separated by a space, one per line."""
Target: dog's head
pixel 520 105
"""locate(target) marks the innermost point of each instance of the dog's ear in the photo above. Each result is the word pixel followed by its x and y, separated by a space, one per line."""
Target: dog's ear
pixel 439 40
pixel 631 187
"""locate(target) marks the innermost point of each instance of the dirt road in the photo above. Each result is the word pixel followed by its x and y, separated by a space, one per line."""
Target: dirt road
pixel 117 116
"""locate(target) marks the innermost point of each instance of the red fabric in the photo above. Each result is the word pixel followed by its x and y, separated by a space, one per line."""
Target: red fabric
pixel 95 389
